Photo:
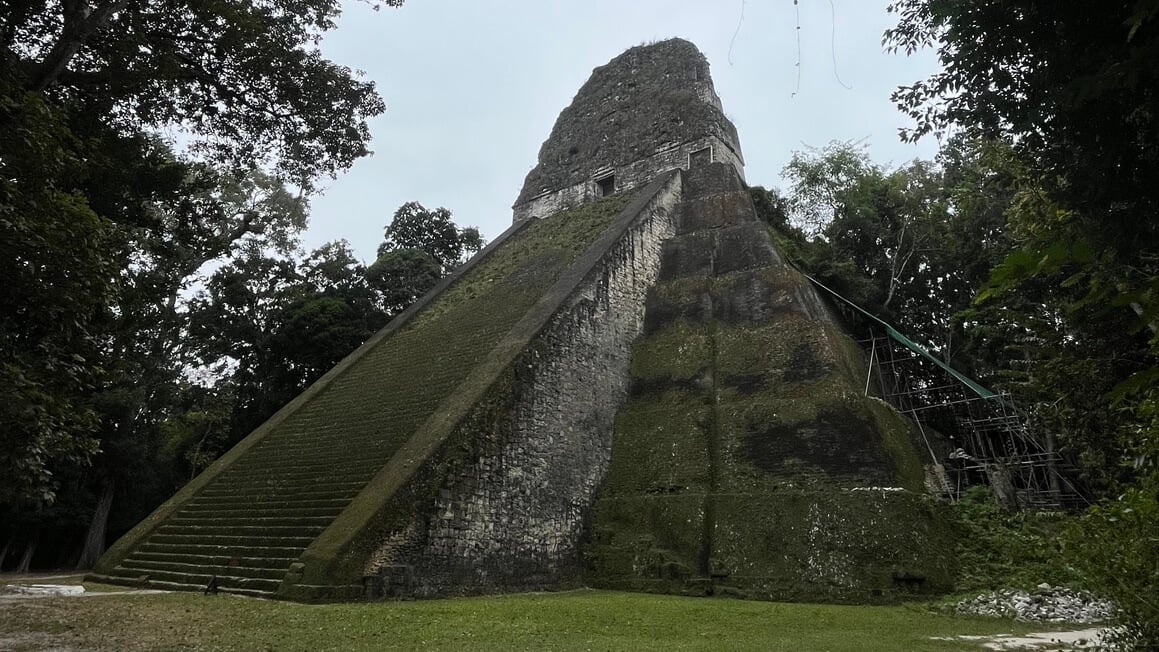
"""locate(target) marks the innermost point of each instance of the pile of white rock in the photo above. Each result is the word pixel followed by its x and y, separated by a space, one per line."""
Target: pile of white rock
pixel 1046 604
pixel 42 589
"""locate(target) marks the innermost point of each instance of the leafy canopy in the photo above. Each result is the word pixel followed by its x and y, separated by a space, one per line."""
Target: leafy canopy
pixel 245 78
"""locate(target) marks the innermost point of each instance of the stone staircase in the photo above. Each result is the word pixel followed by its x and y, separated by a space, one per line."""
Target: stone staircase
pixel 244 528
pixel 248 528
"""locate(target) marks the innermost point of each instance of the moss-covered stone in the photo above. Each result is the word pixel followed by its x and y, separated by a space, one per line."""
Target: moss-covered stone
pixel 661 446
pixel 748 461
pixel 679 354
pixel 832 545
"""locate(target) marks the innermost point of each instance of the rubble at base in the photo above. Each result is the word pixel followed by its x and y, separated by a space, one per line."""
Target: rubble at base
pixel 1046 604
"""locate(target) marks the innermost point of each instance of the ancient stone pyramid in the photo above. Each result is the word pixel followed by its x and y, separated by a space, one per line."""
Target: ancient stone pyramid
pixel 627 389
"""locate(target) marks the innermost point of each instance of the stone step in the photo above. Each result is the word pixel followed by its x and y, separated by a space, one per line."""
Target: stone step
pixel 360 455
pixel 302 481
pixel 264 510
pixel 215 550
pixel 275 499
pixel 148 567
pixel 274 469
pixel 380 424
pixel 291 486
pixel 365 452
pixel 365 429
pixel 214 560
pixel 250 501
pixel 249 520
pixel 216 529
pixel 247 494
pixel 289 480
pixel 197 581
pixel 135 582
pixel 235 541
pixel 272 505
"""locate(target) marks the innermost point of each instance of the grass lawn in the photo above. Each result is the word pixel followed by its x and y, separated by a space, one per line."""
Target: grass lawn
pixel 581 620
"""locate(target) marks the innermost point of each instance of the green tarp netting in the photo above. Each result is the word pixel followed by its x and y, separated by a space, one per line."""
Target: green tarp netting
pixel 908 343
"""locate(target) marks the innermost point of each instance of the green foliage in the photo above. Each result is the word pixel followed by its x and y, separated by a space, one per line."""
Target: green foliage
pixel 199 432
pixel 270 331
pixel 1116 545
pixel 432 232
pixel 104 229
pixel 997 548
pixel 911 245
pixel 245 78
pixel 53 258
pixel 1117 542
pixel 272 323
pixel 1077 100
pixel 821 181
pixel 402 276
pixel 419 248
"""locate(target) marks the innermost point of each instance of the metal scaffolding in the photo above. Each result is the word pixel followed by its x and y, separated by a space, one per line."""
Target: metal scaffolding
pixel 993 441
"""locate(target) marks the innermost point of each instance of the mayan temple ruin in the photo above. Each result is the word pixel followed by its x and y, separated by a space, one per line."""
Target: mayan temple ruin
pixel 627 389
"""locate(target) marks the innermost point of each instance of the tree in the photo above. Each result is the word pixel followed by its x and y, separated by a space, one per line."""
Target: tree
pixel 82 84
pixel 401 277
pixel 174 218
pixel 245 78
pixel 56 278
pixel 431 231
pixel 335 312
pixel 419 247
pixel 233 320
pixel 1073 86
pixel 272 323
pixel 911 245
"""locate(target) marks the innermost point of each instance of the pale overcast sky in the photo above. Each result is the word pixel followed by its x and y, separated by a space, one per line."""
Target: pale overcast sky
pixel 472 89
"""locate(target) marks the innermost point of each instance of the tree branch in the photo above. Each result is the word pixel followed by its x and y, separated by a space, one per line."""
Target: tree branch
pixel 80 23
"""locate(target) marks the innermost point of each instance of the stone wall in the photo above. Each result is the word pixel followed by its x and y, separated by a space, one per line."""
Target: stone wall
pixel 511 515
pixel 629 177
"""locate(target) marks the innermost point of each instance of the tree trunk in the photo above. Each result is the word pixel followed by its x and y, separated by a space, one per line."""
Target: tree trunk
pixel 29 550
pixel 4 551
pixel 95 537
